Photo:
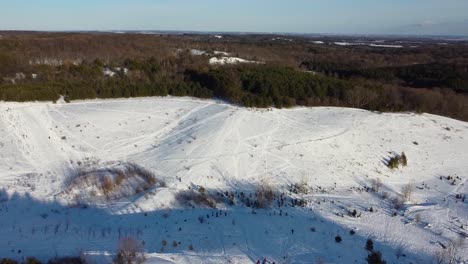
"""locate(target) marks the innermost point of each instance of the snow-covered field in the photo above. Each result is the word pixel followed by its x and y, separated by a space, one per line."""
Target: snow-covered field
pixel 335 154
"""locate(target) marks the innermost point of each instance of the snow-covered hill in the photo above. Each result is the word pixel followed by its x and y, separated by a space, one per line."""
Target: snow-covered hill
pixel 193 155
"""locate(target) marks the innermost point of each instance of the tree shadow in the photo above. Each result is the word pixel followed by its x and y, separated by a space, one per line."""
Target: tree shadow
pixel 386 159
pixel 30 227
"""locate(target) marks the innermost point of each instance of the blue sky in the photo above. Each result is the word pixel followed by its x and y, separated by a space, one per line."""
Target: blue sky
pixel 449 17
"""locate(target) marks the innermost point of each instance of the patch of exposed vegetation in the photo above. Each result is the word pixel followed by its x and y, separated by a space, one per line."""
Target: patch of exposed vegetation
pixel 195 198
pixel 107 183
pixel 398 160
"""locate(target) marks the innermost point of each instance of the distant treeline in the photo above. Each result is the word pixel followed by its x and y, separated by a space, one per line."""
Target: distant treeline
pixel 293 73
pixel 430 75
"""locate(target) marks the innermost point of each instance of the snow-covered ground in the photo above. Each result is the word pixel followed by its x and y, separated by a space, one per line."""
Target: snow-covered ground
pixel 229 60
pixel 367 44
pixel 335 154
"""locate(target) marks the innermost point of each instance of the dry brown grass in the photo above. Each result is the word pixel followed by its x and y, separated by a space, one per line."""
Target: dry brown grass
pixel 109 182
pixel 191 197
pixel 263 196
pixel 129 251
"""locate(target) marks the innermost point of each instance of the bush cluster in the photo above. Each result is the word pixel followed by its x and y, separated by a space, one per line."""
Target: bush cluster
pixel 397 161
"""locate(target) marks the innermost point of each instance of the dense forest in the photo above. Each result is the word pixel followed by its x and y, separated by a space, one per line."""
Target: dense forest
pixel 296 71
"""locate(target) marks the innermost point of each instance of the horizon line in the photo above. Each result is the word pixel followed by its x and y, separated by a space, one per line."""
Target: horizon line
pixel 205 32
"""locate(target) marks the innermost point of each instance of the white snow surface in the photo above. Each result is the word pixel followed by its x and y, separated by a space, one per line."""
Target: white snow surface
pixel 229 60
pixel 108 72
pixel 196 52
pixel 386 46
pixel 366 44
pixel 217 52
pixel 189 142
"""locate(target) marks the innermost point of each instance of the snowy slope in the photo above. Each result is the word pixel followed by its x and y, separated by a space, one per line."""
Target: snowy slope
pixel 186 143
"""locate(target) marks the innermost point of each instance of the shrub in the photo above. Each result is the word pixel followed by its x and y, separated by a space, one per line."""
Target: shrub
pixel 375 257
pixel 107 184
pixel 129 251
pixel 369 245
pixel 201 219
pixel 393 163
pixel 300 188
pixel 263 196
pixel 397 161
pixel 338 239
pixel 111 182
pixel 403 159
pixel 202 189
pixel 119 178
pixel 397 203
pixel 148 176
